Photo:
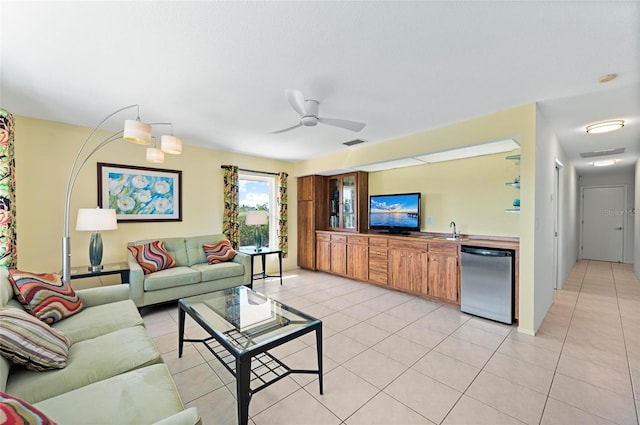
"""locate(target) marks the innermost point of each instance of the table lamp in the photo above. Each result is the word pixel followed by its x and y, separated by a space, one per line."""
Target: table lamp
pixel 257 218
pixel 94 220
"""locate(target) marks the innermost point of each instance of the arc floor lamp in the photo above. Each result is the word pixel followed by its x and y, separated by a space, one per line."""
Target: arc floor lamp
pixel 135 131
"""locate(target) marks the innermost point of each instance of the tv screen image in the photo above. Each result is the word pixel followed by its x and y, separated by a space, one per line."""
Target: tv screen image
pixel 395 212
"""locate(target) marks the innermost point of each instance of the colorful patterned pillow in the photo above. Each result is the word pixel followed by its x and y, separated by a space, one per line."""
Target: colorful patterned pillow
pixel 152 256
pixel 45 295
pixel 14 411
pixel 27 341
pixel 219 252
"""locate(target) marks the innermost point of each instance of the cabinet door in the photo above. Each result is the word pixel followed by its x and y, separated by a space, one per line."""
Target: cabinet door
pixel 339 258
pixel 358 261
pixel 334 202
pixel 306 235
pixel 323 254
pixel 398 262
pixel 417 272
pixel 349 202
pixel 443 276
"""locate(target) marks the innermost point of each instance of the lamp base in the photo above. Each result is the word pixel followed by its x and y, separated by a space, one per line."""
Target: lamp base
pixel 94 269
pixel 258 239
pixel 95 251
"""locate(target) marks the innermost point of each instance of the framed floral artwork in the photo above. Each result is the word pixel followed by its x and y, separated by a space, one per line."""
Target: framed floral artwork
pixel 140 193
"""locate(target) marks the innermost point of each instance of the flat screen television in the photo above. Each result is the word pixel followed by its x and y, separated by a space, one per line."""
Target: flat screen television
pixel 395 213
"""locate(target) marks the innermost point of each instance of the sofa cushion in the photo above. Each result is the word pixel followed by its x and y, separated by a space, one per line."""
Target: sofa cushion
pixel 175 246
pixel 219 271
pixel 194 244
pixel 14 411
pixel 6 290
pixel 45 295
pixel 142 396
pixel 177 276
pixel 219 252
pixel 152 256
pixel 89 361
pixel 29 342
pixel 100 320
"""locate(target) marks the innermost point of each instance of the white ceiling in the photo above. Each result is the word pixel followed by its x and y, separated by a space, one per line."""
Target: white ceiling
pixel 218 70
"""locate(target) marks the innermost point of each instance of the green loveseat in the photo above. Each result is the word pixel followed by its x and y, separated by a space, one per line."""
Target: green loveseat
pixel 114 372
pixel 191 275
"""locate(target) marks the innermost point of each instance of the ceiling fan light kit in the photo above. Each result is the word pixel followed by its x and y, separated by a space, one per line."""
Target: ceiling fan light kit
pixel 308 109
pixel 605 126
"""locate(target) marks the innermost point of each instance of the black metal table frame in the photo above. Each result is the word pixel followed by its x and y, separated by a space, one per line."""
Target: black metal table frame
pixel 242 361
pixel 263 255
pixel 123 272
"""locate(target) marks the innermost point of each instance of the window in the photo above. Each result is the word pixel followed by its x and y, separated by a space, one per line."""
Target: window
pixel 257 192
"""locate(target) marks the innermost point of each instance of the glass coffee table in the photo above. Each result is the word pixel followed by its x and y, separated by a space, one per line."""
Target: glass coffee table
pixel 243 325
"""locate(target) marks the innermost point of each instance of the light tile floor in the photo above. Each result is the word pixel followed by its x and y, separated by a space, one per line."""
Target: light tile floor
pixel 391 358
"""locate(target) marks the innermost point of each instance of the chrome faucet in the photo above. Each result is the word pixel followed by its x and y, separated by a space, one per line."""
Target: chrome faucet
pixel 454 234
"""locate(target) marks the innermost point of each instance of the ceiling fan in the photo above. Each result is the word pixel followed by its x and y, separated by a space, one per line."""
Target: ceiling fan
pixel 308 110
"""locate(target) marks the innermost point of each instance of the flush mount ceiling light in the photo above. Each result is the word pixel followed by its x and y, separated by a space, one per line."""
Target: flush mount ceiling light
pixel 605 162
pixel 608 77
pixel 605 126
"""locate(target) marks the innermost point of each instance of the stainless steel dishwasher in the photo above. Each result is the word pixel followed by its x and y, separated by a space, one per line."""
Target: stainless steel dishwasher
pixel 487 276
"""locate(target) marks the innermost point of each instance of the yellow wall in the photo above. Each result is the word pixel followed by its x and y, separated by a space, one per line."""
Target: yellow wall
pixel 471 192
pixel 44 154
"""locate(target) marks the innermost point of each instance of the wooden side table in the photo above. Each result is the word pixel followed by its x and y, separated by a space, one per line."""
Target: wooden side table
pixel 110 268
pixel 263 254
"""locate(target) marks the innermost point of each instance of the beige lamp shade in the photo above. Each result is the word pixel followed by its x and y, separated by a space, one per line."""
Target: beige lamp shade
pixel 171 144
pixel 256 218
pixel 96 219
pixel 137 132
pixel 155 155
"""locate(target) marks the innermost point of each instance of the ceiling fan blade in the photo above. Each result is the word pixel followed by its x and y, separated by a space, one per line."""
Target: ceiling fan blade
pixel 349 125
pixel 286 129
pixel 296 100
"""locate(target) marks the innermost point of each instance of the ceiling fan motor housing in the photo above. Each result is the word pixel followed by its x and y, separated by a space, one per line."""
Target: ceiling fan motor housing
pixel 309 120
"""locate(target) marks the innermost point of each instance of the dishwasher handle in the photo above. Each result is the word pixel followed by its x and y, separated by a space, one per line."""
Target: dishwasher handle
pixel 486 252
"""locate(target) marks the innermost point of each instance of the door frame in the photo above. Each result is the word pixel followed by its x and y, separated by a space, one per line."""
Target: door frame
pixel 624 221
pixel 557 191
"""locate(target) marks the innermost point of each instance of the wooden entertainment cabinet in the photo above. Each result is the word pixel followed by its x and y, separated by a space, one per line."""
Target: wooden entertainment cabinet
pixel 417 264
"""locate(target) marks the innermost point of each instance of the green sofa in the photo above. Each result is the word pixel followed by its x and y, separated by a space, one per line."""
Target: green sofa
pixel 191 275
pixel 114 372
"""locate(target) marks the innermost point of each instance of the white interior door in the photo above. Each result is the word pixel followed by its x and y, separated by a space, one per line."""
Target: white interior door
pixel 603 223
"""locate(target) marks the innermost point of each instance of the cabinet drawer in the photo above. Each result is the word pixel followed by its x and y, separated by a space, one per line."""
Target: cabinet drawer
pixel 412 245
pixel 377 252
pixel 339 238
pixel 443 248
pixel 378 242
pixel 378 277
pixel 323 237
pixel 358 240
pixel 378 266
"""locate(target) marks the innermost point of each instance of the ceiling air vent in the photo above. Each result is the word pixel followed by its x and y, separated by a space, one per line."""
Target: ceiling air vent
pixel 602 153
pixel 354 142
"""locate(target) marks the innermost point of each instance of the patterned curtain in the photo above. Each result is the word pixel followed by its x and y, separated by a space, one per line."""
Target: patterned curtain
pixel 230 224
pixel 283 214
pixel 8 238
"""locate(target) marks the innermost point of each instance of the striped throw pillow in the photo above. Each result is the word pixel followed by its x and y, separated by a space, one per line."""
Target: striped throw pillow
pixel 27 341
pixel 152 256
pixel 19 412
pixel 45 295
pixel 218 252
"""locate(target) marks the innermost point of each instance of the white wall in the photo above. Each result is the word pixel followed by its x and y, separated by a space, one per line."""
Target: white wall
pixel 627 178
pixel 548 151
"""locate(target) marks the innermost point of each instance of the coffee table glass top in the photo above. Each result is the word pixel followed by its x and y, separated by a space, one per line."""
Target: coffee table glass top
pixel 245 319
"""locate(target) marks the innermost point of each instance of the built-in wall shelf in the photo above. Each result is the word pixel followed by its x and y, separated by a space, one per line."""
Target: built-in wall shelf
pixel 515 184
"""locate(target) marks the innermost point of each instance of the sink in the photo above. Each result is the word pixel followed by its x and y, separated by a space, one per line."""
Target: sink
pixel 449 238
